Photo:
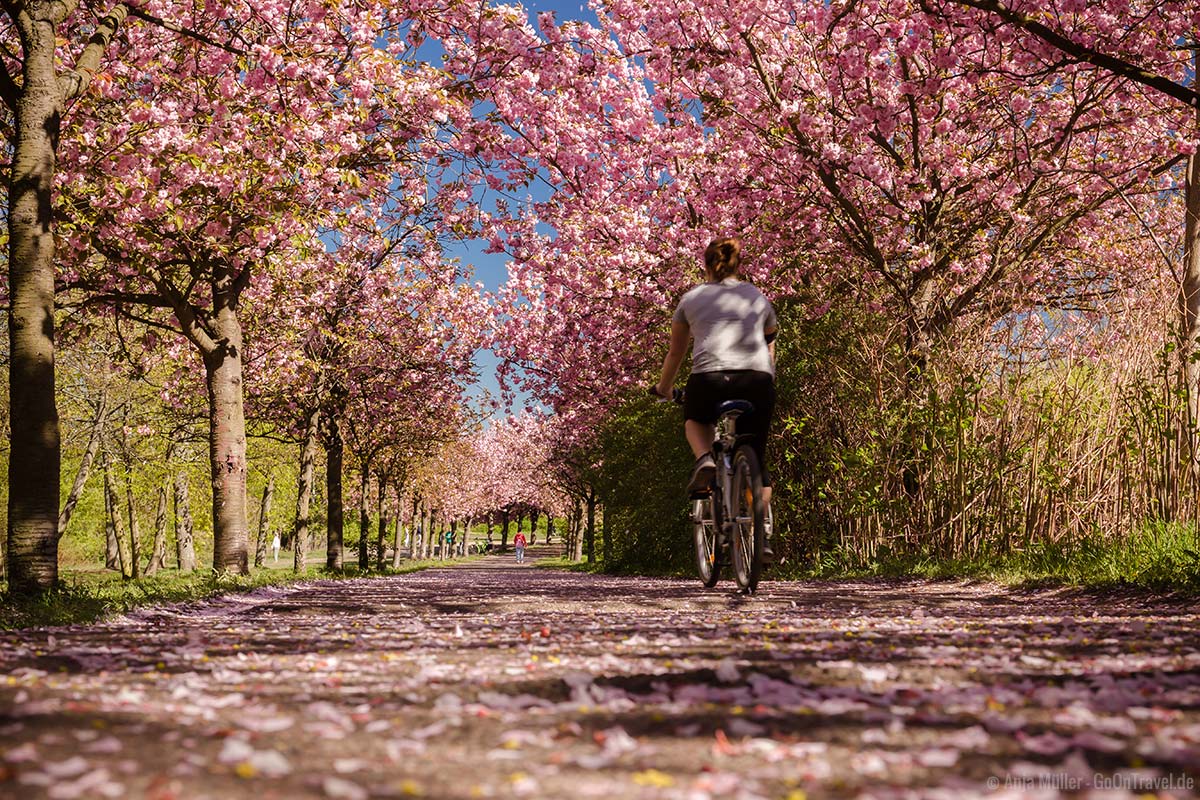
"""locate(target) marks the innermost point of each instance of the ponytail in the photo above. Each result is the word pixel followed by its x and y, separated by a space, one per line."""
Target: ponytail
pixel 723 257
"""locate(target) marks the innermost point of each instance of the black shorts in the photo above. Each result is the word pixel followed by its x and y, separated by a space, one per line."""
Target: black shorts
pixel 707 390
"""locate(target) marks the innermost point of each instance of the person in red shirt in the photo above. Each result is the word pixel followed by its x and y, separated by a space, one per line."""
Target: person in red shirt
pixel 519 544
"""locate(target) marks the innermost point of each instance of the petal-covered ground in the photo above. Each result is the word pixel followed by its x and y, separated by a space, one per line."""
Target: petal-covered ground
pixel 497 680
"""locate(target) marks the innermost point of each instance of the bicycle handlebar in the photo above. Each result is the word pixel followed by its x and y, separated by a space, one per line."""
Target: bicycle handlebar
pixel 676 395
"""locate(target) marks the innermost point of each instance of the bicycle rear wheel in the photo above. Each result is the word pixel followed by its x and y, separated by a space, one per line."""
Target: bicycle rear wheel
pixel 749 519
pixel 705 538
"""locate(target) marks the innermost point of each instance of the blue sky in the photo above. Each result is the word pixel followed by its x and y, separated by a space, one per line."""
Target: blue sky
pixel 491 268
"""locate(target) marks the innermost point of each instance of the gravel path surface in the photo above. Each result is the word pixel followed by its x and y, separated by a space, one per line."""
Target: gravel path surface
pixel 493 679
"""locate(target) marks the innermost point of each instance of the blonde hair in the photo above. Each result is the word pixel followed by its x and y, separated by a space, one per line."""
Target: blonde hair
pixel 723 257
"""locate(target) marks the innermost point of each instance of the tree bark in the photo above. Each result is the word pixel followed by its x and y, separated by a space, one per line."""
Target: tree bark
pixel 34 456
pixel 399 529
pixel 426 531
pixel 35 449
pixel 590 537
pixel 381 543
pixel 112 554
pixel 605 536
pixel 334 451
pixel 503 530
pixel 1189 292
pixel 264 522
pixel 113 503
pixel 227 432
pixel 364 520
pixel 185 549
pixel 158 556
pixel 135 544
pixel 85 465
pixel 308 456
pixel 577 537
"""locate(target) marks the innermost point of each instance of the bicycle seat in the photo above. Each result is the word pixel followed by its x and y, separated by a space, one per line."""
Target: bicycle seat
pixel 734 408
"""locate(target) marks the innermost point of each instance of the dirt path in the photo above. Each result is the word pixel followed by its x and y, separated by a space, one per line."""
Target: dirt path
pixel 498 680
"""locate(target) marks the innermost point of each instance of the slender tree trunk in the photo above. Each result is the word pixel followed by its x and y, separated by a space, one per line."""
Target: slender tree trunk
pixel 135 539
pixel 399 528
pixel 364 520
pixel 381 542
pixel 1189 295
pixel 334 451
pixel 427 534
pixel 590 536
pixel 308 455
pixel 185 549
pixel 158 556
pixel 577 538
pixel 112 554
pixel 264 522
pixel 503 531
pixel 118 521
pixel 85 465
pixel 34 454
pixel 605 536
pixel 549 526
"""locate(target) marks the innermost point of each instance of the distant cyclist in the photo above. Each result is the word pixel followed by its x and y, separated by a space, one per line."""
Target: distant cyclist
pixel 733 328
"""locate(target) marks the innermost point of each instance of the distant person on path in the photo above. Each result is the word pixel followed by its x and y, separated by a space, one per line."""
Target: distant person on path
pixel 275 546
pixel 732 327
pixel 519 544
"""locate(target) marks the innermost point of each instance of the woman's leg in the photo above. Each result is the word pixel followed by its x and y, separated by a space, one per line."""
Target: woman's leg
pixel 700 436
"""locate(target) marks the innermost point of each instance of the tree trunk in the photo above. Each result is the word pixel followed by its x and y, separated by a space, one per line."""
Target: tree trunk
pixel 399 529
pixel 227 432
pixel 135 544
pixel 34 453
pixel 426 531
pixel 264 522
pixel 576 536
pixel 185 550
pixel 1189 294
pixel 605 536
pixel 112 554
pixel 113 504
pixel 85 466
pixel 549 527
pixel 381 542
pixel 503 531
pixel 308 455
pixel 334 451
pixel 364 520
pixel 158 557
pixel 590 537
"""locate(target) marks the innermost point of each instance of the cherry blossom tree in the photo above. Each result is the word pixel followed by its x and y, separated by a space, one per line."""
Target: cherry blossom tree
pixel 37 86
pixel 864 150
pixel 224 165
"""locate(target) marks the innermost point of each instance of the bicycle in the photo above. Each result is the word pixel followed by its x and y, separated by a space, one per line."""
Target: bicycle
pixel 730 517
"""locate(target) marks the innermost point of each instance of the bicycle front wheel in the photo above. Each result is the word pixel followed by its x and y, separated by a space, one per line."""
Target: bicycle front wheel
pixel 748 515
pixel 704 535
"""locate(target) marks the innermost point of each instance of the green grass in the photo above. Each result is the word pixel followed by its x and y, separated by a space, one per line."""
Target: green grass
pixel 90 595
pixel 1160 557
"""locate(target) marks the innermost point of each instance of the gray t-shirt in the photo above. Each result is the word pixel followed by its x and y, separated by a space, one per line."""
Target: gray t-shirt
pixel 727 321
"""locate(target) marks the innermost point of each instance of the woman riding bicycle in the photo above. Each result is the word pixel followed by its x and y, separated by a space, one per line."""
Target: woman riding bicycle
pixel 733 328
